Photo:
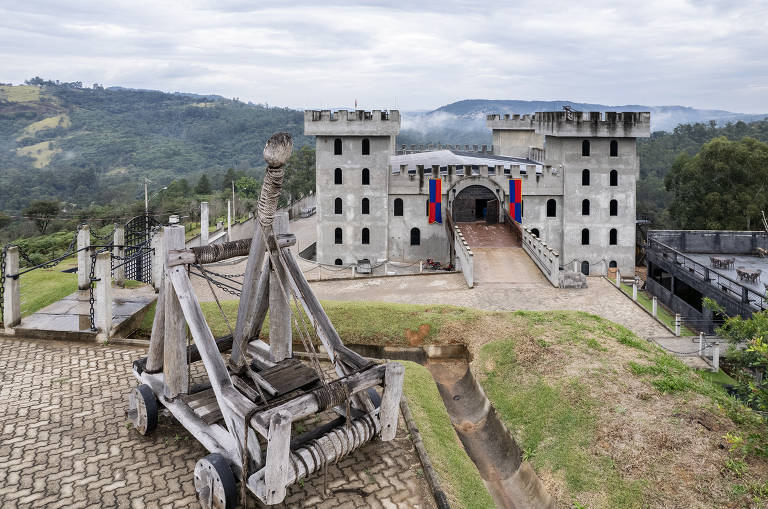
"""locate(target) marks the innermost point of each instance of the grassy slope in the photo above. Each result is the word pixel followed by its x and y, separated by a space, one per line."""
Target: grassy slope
pixel 42 287
pixel 459 476
pixel 608 420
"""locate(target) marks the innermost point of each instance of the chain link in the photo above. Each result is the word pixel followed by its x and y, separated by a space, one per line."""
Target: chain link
pixel 2 283
pixel 91 299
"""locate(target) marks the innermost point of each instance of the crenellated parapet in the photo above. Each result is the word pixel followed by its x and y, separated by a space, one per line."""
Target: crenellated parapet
pixel 613 124
pixel 351 123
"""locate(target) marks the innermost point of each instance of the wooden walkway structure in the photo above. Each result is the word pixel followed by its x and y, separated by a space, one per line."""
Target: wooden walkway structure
pixel 243 413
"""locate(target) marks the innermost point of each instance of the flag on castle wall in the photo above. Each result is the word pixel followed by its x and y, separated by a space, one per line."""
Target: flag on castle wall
pixel 516 199
pixel 435 201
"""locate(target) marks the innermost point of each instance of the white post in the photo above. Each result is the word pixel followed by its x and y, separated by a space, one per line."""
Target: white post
pixel 634 291
pixel 157 244
pixel 655 307
pixel 618 278
pixel 83 257
pixel 575 266
pixel 12 295
pixel 702 342
pixel 421 266
pixel 353 272
pixel 677 324
pixel 229 220
pixel 119 252
pixel 204 223
pixel 103 296
pixel 716 358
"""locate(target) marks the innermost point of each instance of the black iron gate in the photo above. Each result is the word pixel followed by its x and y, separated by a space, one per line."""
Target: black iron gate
pixel 138 232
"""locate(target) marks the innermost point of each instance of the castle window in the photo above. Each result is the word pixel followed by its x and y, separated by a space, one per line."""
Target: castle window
pixel 366 236
pixel 337 206
pixel 614 178
pixel 337 176
pixel 551 208
pixel 585 148
pixel 366 177
pixel 585 177
pixel 366 206
pixel 585 208
pixel 585 237
pixel 535 231
pixel 366 147
pixel 613 237
pixel 338 261
pixel 337 147
pixel 415 237
pixel 614 148
pixel 491 170
pixel 337 236
pixel 614 208
pixel 398 207
pixel 612 264
pixel 585 268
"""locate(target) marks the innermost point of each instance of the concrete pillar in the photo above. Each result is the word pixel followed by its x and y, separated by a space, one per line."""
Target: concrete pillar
pixel 229 220
pixel 702 343
pixel 353 272
pixel 103 296
pixel 12 292
pixel 618 278
pixel 716 358
pixel 634 291
pixel 157 254
pixel 280 333
pixel 83 257
pixel 219 225
pixel 421 266
pixel 678 319
pixel 575 266
pixel 119 251
pixel 655 307
pixel 204 223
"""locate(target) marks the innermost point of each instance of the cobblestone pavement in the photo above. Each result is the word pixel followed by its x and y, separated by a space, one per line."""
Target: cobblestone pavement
pixel 601 298
pixel 64 442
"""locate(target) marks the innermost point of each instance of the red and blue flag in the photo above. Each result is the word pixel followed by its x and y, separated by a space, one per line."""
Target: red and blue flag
pixel 516 199
pixel 435 201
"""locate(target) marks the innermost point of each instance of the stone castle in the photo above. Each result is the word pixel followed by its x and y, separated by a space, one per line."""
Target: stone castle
pixel 578 169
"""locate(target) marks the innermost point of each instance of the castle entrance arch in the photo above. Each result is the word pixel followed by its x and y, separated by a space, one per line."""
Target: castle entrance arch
pixel 475 203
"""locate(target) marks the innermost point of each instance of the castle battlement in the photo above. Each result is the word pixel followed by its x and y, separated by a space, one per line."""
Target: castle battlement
pixel 577 123
pixel 613 124
pixel 351 123
pixel 510 122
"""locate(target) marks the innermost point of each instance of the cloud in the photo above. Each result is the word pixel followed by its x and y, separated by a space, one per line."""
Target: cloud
pixel 413 55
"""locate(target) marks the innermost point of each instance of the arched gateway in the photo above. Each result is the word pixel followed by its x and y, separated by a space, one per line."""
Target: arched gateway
pixel 474 200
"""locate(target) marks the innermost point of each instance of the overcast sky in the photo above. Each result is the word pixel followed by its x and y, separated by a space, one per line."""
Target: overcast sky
pixel 419 54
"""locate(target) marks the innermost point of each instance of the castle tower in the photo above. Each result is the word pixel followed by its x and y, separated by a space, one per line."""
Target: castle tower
pixel 514 135
pixel 352 161
pixel 597 157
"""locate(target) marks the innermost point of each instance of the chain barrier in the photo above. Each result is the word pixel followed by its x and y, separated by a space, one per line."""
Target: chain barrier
pixel 91 299
pixel 2 283
pixel 105 236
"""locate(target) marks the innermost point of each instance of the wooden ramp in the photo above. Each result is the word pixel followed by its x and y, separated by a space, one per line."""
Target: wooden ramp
pixel 69 318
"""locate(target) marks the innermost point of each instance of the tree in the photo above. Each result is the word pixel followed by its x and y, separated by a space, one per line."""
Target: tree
pixel 4 220
pixel 42 212
pixel 724 186
pixel 229 177
pixel 299 177
pixel 203 185
pixel 247 187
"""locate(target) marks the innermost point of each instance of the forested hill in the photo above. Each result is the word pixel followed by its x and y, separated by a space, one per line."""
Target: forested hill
pixel 659 152
pixel 92 145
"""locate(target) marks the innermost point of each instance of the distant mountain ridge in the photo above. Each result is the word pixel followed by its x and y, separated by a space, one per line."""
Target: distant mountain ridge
pixel 464 121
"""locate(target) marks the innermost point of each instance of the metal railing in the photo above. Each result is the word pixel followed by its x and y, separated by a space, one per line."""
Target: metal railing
pixel 703 273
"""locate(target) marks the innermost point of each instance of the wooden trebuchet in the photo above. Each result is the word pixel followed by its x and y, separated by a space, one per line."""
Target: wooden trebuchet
pixel 254 395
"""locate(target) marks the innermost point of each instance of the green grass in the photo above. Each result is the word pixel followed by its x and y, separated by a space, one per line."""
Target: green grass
pixel 555 426
pixel 42 287
pixel 458 475
pixel 662 314
pixel 721 377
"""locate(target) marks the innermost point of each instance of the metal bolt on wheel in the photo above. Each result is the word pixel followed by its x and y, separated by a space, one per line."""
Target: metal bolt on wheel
pixel 142 409
pixel 214 483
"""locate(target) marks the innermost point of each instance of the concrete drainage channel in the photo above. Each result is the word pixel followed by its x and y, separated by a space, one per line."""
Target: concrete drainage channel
pixel 511 481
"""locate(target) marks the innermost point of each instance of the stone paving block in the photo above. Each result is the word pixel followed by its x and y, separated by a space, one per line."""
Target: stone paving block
pixel 64 443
